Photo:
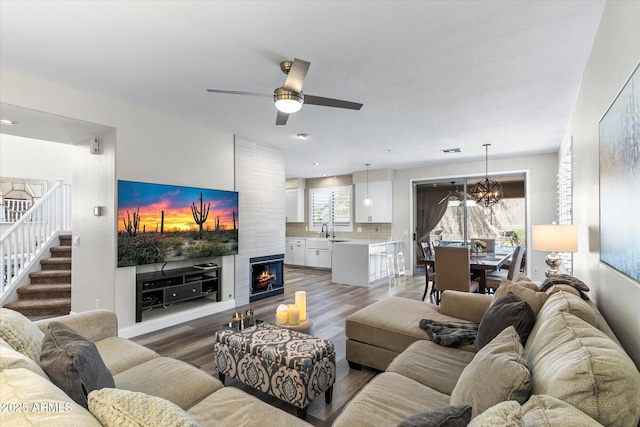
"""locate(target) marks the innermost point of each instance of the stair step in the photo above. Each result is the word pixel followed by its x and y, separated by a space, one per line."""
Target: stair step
pixel 50 276
pixel 65 239
pixel 44 291
pixel 58 263
pixel 36 308
pixel 61 251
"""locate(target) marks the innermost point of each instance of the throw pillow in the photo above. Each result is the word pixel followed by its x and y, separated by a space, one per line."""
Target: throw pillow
pixel 445 416
pixel 497 373
pixel 547 411
pixel 506 311
pixel 20 333
pixel 507 413
pixel 535 299
pixel 114 408
pixel 73 363
pixel 522 280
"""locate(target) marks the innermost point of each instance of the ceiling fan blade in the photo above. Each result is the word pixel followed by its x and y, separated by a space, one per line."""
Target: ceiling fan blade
pixel 281 118
pixel 330 102
pixel 296 75
pixel 237 92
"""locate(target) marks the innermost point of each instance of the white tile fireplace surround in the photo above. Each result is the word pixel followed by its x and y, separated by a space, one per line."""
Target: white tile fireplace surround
pixel 261 212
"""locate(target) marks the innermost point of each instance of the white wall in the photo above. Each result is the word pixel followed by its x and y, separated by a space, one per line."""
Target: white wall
pixel 35 159
pixel 144 146
pixel 542 202
pixel 32 158
pixel 615 53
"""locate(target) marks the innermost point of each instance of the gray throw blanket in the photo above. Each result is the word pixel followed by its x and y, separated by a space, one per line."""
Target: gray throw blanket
pixel 450 334
pixel 565 279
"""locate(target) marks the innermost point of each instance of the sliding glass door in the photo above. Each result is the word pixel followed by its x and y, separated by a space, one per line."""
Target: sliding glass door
pixel 447 215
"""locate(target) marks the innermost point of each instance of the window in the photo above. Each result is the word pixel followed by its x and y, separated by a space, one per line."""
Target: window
pixel 331 206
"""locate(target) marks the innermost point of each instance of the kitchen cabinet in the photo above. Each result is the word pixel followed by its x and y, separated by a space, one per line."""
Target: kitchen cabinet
pixel 294 252
pixel 294 204
pixel 318 253
pixel 319 258
pixel 380 194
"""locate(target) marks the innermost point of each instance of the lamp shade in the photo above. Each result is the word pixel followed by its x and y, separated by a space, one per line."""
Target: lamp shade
pixel 555 238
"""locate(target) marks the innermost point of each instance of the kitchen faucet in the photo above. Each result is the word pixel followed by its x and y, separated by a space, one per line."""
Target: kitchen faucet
pixel 325 230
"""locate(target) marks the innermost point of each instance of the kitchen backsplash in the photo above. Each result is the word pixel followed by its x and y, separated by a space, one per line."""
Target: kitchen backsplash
pixel 369 231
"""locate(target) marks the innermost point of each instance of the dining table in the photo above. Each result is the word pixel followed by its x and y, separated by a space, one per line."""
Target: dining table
pixel 480 263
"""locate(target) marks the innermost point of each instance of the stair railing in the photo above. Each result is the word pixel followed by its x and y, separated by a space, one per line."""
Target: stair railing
pixel 21 244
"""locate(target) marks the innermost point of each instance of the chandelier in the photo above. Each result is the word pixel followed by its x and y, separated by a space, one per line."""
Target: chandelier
pixel 487 192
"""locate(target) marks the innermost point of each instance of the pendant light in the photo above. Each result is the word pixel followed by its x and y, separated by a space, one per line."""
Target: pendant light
pixel 367 200
pixel 487 192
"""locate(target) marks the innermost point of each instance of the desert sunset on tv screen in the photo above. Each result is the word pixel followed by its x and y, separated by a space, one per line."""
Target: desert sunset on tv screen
pixel 159 223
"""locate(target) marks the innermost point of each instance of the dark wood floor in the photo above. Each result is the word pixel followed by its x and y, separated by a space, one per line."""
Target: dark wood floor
pixel 328 304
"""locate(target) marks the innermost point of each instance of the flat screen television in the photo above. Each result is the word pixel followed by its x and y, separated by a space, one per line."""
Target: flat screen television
pixel 161 223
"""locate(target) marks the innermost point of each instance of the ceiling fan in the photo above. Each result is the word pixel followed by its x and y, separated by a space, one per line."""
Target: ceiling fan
pixel 453 194
pixel 289 98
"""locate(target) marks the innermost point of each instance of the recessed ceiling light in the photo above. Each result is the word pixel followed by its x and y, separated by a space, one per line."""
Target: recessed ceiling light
pixel 7 122
pixel 324 174
pixel 304 136
pixel 316 164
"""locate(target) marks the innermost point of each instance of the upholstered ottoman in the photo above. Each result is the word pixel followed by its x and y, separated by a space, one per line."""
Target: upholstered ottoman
pixel 289 365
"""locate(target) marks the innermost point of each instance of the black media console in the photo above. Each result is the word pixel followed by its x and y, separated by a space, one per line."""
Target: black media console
pixel 163 288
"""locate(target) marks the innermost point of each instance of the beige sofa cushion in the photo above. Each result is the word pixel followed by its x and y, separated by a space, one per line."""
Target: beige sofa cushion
pixel 497 373
pixel 31 400
pixel 195 384
pixel 388 399
pixel 20 333
pixel 562 301
pixel 115 408
pixel 522 280
pixel 12 359
pixel 431 364
pixel 575 362
pixel 547 411
pixel 230 406
pixel 503 414
pixel 392 323
pixel 112 350
pixel 535 299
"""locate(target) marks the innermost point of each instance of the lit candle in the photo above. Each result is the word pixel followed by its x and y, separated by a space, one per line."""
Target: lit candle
pixel 294 314
pixel 282 314
pixel 301 301
pixel 236 321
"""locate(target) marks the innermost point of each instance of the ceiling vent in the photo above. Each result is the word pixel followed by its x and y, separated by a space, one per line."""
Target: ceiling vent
pixel 451 150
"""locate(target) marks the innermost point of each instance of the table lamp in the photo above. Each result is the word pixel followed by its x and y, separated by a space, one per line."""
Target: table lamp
pixel 555 238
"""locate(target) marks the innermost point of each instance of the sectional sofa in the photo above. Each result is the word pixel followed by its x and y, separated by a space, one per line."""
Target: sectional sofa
pixel 150 389
pixel 570 371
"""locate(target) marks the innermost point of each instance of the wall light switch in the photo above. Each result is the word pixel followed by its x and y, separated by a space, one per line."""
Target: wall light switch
pixel 76 241
pixel 359 229
pixel 97 210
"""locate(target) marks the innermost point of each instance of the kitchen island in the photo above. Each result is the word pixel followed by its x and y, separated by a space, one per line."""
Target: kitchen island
pixel 359 262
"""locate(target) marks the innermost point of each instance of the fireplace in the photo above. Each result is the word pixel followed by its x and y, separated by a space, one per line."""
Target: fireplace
pixel 267 276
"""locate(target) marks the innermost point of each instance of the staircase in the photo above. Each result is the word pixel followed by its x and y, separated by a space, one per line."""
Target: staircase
pixel 49 293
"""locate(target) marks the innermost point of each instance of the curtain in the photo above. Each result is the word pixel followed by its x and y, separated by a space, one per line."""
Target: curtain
pixel 429 212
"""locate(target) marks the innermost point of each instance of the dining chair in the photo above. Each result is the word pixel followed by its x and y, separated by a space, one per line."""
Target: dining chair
pixel 430 275
pixel 453 271
pixel 491 244
pixel 495 277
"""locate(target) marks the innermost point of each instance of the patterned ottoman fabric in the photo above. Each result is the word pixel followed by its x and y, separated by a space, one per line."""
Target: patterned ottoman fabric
pixel 289 365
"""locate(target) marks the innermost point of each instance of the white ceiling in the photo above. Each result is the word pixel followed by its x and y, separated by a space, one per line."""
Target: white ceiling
pixel 431 74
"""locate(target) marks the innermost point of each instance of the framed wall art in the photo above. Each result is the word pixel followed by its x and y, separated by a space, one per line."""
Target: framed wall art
pixel 620 180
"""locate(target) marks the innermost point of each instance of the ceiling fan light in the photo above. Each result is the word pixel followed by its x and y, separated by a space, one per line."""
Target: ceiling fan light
pixel 288 101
